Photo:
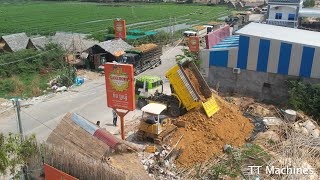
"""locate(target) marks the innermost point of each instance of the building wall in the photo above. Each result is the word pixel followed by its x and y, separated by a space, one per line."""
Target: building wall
pixel 265 66
pixel 216 36
pixel 285 10
pixel 261 85
pixel 265 55
pixel 224 57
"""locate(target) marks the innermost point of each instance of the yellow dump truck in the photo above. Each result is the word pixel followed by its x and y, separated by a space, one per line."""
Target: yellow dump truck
pixel 189 86
pixel 188 90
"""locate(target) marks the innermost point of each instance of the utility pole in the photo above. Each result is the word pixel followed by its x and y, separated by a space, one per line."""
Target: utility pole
pixel 16 104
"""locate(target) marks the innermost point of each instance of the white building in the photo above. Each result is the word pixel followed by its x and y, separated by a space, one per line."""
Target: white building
pixel 287 12
pixel 284 12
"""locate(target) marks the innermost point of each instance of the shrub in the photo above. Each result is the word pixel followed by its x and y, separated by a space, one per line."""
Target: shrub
pixel 305 97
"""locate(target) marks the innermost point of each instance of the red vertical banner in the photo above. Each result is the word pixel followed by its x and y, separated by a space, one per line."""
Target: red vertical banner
pixel 52 173
pixel 120 86
pixel 120 28
pixel 194 43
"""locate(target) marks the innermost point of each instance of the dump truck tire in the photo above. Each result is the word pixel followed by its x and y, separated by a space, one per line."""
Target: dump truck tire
pixel 142 103
pixel 174 111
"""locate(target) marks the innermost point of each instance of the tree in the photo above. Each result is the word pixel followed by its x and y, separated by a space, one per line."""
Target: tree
pixel 309 3
pixel 13 153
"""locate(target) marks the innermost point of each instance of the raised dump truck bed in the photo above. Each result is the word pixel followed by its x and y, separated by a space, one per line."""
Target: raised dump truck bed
pixel 191 88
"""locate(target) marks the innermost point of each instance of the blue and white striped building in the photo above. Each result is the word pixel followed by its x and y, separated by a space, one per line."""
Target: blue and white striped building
pixel 265 57
pixel 268 48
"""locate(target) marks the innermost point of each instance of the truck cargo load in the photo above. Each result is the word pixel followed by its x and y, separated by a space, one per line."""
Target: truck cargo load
pixel 142 57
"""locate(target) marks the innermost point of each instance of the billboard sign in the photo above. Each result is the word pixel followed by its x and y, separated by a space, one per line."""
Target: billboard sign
pixel 120 86
pixel 194 43
pixel 120 28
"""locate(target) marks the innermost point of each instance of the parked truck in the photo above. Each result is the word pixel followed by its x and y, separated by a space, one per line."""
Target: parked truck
pixel 142 57
pixel 188 90
pixel 199 31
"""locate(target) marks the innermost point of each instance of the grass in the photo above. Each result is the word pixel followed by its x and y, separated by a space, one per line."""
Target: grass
pixel 24 85
pixel 48 17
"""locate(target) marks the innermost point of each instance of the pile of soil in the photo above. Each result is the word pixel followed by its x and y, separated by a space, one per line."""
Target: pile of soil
pixel 194 82
pixel 199 28
pixel 145 47
pixel 204 137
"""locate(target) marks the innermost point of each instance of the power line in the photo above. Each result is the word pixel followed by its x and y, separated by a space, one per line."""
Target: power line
pixel 59 135
pixel 8 109
pixel 12 62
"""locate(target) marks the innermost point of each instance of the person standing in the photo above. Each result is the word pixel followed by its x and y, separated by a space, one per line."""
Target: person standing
pixel 115 117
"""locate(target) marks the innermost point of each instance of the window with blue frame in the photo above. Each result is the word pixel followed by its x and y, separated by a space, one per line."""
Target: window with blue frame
pixel 278 15
pixel 291 17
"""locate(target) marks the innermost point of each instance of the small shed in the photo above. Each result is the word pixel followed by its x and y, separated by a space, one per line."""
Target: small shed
pixel 107 51
pixel 38 43
pixel 75 44
pixel 13 42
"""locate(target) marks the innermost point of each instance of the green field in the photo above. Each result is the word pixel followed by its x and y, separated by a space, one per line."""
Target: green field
pixel 48 17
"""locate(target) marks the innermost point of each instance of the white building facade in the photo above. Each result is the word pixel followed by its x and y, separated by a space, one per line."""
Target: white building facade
pixel 284 12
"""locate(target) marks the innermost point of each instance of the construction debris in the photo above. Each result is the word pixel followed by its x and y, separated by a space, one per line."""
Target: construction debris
pixel 158 165
pixel 307 128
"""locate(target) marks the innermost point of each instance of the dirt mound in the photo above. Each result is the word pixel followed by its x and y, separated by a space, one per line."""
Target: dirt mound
pixel 194 82
pixel 203 137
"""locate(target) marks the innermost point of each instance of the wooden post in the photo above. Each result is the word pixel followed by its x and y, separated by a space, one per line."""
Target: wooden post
pixel 121 115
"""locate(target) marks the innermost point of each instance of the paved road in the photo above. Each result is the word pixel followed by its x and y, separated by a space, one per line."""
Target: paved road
pixel 88 100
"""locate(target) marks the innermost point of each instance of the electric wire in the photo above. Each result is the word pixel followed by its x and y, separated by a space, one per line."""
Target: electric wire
pixel 24 59
pixel 59 135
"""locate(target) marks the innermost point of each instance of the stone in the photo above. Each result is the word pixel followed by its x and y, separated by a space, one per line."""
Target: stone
pixel 167 163
pixel 309 125
pixel 304 131
pixel 272 121
pixel 150 156
pixel 150 162
pixel 315 133
pixel 227 147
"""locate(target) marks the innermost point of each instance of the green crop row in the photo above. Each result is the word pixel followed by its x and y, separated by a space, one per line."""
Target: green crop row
pixel 48 17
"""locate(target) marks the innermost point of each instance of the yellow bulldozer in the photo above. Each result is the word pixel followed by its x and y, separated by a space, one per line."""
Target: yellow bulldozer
pixel 154 126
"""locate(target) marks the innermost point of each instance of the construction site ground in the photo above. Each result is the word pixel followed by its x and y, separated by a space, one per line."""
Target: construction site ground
pixel 201 139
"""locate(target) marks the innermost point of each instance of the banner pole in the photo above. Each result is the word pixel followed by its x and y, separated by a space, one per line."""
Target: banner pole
pixel 122 115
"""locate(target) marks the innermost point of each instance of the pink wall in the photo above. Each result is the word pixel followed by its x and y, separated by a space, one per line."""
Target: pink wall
pixel 216 36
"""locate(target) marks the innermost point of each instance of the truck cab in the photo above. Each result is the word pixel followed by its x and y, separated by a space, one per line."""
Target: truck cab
pixel 147 86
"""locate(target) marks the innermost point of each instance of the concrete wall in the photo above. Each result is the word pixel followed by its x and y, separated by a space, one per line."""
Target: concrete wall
pixel 261 85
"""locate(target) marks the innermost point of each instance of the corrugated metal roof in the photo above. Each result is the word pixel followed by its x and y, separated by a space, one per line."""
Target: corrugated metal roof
pixel 286 34
pixel 39 42
pixel 232 41
pixel 106 137
pixel 310 12
pixel 17 41
pixel 114 46
pixel 73 42
pixel 83 123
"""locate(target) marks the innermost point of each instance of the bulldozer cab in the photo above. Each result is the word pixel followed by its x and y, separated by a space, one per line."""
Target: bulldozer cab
pixel 151 113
